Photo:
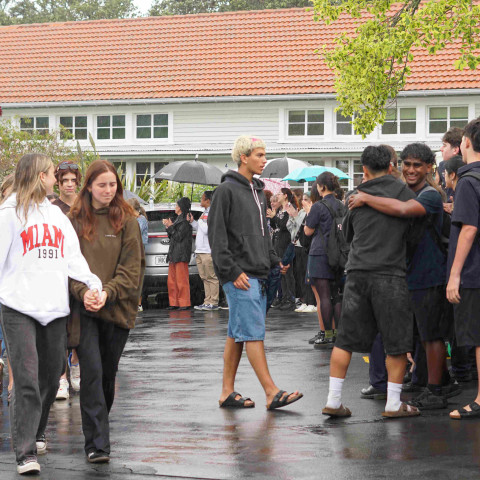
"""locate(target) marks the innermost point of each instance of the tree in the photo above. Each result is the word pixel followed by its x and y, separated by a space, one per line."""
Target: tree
pixel 184 7
pixel 41 11
pixel 372 66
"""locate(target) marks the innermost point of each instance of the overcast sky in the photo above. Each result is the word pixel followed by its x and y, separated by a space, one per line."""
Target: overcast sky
pixel 143 5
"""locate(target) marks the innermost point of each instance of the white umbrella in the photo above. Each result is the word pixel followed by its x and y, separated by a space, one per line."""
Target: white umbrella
pixel 281 167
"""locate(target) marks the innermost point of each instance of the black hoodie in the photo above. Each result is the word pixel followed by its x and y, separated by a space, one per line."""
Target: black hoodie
pixel 237 229
pixel 378 240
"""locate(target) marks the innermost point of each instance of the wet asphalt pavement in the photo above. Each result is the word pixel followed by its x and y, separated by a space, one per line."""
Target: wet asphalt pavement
pixel 166 423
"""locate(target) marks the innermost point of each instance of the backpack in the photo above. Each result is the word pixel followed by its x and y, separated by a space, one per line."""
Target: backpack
pixel 337 247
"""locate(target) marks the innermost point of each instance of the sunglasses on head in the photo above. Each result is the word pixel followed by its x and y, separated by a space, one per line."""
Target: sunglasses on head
pixel 67 166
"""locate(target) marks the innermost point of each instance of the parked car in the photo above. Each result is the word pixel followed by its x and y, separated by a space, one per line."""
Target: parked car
pixel 156 271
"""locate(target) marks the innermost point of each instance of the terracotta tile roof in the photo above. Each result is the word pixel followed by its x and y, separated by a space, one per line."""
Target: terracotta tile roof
pixel 268 52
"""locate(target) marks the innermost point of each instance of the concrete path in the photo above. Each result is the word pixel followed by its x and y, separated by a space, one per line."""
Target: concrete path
pixel 166 423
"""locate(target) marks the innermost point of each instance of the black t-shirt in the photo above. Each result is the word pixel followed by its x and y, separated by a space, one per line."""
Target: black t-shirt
pixel 466 211
pixel 65 208
pixel 320 219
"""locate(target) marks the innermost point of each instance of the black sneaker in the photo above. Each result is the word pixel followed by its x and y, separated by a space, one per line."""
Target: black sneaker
pixel 452 389
pixel 411 387
pixel 223 305
pixel 320 334
pixel 276 302
pixel 28 466
pixel 373 393
pixel 323 342
pixel 288 306
pixel 428 401
pixel 41 445
pixel 98 456
pixel 463 378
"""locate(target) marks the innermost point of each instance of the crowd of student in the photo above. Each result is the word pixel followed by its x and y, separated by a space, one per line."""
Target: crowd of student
pixel 72 276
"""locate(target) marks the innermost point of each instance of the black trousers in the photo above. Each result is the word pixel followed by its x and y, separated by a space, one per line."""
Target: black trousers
pixel 299 270
pixel 101 346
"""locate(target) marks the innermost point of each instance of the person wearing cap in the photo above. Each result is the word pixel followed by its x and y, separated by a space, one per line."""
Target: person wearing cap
pixel 179 252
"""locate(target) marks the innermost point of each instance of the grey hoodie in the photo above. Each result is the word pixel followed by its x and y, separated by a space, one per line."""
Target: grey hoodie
pixel 378 241
pixel 237 229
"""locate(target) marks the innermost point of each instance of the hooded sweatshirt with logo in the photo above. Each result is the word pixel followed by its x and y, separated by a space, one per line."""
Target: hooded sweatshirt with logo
pixel 237 229
pixel 378 241
pixel 36 260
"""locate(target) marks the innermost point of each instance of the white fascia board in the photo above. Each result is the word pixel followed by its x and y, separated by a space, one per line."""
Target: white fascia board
pixel 229 99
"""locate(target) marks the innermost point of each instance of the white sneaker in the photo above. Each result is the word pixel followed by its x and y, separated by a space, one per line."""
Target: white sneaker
pixel 140 308
pixel 301 308
pixel 63 393
pixel 74 374
pixel 41 445
pixel 29 465
pixel 310 309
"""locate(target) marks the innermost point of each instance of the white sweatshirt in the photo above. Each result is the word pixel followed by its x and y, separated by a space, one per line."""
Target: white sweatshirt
pixel 36 260
pixel 201 242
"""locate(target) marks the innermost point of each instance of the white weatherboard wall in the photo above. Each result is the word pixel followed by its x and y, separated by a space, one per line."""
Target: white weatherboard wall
pixel 209 129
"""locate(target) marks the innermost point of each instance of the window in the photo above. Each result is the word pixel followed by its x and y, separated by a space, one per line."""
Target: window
pixel 401 121
pixel 29 124
pixel 303 123
pixel 146 170
pixel 152 126
pixel 111 127
pixel 353 167
pixel 344 125
pixel 77 126
pixel 442 118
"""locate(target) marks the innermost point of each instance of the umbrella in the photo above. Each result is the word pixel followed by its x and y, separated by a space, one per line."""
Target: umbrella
pixel 309 174
pixel 274 185
pixel 128 194
pixel 280 167
pixel 191 171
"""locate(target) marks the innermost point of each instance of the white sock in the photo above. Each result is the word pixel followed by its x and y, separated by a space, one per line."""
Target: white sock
pixel 335 392
pixel 393 397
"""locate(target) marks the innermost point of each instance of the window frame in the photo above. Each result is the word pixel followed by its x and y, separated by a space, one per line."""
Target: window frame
pixel 73 129
pixel 153 170
pixel 336 123
pixel 398 122
pixel 448 119
pixel 111 127
pixel 306 123
pixel 152 127
pixel 42 131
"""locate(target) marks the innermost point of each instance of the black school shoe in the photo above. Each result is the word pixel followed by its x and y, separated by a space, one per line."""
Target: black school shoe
pixel 429 401
pixel 373 393
pixel 452 389
pixel 98 456
pixel 412 387
pixel 320 334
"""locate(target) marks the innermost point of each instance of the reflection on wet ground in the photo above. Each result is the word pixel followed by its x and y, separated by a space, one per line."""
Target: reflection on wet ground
pixel 166 422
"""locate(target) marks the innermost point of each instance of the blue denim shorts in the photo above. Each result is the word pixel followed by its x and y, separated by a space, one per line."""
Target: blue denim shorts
pixel 247 311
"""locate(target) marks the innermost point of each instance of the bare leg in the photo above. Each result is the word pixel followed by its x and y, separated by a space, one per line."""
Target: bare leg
pixel 258 360
pixel 396 365
pixel 319 312
pixel 231 358
pixel 339 362
pixel 10 376
pixel 436 361
pixel 74 357
pixel 455 413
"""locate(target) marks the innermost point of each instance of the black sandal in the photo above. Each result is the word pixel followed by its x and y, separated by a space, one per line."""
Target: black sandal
pixel 279 402
pixel 232 402
pixel 473 413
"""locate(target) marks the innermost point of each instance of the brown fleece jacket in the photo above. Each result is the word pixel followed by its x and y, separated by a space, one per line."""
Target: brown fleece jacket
pixel 119 261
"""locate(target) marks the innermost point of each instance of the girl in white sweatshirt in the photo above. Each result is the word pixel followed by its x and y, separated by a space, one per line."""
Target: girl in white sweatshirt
pixel 39 251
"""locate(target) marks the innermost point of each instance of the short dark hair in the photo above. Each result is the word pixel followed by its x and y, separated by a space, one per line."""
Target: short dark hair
pixel 208 195
pixel 453 136
pixel 328 180
pixel 418 151
pixel 472 132
pixel 393 153
pixel 453 164
pixel 376 158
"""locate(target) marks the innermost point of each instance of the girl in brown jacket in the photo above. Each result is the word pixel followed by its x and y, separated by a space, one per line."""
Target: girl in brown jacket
pixel 111 242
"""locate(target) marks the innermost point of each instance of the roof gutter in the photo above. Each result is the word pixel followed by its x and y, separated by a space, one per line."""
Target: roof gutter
pixel 228 99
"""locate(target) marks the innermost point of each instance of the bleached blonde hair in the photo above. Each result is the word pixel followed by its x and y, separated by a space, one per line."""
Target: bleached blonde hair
pixel 245 145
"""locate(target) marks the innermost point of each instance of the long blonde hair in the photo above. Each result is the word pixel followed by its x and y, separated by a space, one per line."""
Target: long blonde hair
pixel 6 187
pixel 27 184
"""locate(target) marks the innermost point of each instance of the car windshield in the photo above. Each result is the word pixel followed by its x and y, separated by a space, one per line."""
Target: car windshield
pixel 155 217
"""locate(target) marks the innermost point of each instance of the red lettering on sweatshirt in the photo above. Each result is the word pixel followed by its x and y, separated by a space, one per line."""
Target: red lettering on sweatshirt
pixel 31 238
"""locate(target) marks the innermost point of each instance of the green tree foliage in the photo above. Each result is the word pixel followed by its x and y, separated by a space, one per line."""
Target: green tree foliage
pixel 184 7
pixel 372 66
pixel 41 11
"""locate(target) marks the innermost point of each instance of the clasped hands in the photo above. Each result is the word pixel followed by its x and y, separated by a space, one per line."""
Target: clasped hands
pixel 93 301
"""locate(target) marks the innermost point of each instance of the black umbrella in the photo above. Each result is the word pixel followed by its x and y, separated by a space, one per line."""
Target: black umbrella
pixel 191 171
pixel 281 167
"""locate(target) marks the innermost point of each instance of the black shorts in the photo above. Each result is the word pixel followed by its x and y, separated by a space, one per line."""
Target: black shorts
pixel 467 317
pixel 375 303
pixel 432 313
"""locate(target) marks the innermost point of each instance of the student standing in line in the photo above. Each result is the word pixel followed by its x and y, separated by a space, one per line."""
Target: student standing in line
pixel 179 253
pixel 111 242
pixel 39 251
pixel 203 255
pixel 242 257
pixel 463 288
pixel 376 294
pixel 68 178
